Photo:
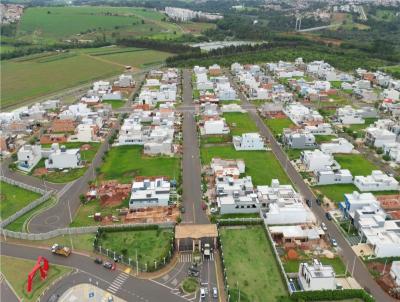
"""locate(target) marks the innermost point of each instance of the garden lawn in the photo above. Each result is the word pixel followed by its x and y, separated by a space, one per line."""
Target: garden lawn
pixel 292 266
pixel 360 129
pixel 115 104
pixel 250 264
pixel 277 125
pixel 151 245
pixel 216 139
pixel 336 192
pixel 240 123
pixel 262 166
pixel 356 163
pixel 12 268
pixel 125 162
pixel 324 138
pixel 14 198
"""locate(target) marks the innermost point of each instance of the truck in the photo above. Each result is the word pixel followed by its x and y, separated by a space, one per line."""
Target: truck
pixel 206 251
pixel 60 250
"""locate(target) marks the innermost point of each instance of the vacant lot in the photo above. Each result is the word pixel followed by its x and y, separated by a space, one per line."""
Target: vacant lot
pixel 240 123
pixel 277 125
pixel 115 104
pixel 262 166
pixel 336 192
pixel 356 163
pixel 359 130
pixel 13 267
pixel 51 72
pixel 125 162
pixel 150 245
pixel 251 265
pixel 14 198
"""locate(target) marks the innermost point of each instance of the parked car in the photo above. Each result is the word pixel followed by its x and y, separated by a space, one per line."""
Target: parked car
pixel 182 210
pixel 215 292
pixel 108 265
pixel 328 216
pixel 192 273
pixel 334 242
pixel 98 261
pixel 203 206
pixel 202 293
pixel 309 203
pixel 323 227
pixel 213 210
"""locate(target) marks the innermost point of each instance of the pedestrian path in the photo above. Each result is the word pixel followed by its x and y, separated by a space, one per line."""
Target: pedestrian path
pixel 185 257
pixel 117 283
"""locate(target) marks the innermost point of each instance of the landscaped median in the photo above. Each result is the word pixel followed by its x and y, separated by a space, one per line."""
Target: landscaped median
pixel 16 270
pixel 143 247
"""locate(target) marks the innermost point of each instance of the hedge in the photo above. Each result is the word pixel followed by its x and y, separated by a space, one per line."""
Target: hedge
pixel 332 295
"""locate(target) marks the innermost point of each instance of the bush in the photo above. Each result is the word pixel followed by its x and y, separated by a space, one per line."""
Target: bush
pixel 386 157
pixel 332 295
pixel 379 151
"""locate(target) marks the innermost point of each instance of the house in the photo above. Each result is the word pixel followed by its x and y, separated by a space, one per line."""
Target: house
pixel 150 193
pixel 319 129
pixel 236 195
pixel 378 137
pixel 300 114
pixel 391 94
pixel 296 233
pixel 355 201
pixel 298 139
pixel 377 181
pixel 316 276
pixel 317 160
pixel 248 142
pixel 232 108
pixel 63 158
pixel 214 70
pixel 124 81
pixel 337 145
pixel 281 204
pixel 347 115
pixel 393 150
pixel 395 272
pixel 331 177
pixel 227 167
pixel 158 147
pixel 215 126
pixel 28 157
pixel 86 133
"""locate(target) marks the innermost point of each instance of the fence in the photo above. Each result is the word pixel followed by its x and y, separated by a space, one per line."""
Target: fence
pixel 136 264
pixel 249 221
pixel 29 207
pixel 74 231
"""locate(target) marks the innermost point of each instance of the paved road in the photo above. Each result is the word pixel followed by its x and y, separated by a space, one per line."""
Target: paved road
pixel 361 273
pixel 6 293
pixel 191 159
pixel 131 289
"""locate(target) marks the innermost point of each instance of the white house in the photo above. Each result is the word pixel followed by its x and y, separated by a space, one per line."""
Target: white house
pixel 377 181
pixel 395 272
pixel 391 94
pixel 281 204
pixel 316 276
pixel 393 150
pixel 85 133
pixel 378 137
pixel 337 145
pixel 330 177
pixel 319 129
pixel 215 126
pixel 63 158
pixel 248 141
pixel 28 157
pixel 347 115
pixel 150 193
pixel 316 160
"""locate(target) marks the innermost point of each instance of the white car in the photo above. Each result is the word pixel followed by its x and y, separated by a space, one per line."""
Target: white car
pixel 213 210
pixel 323 227
pixel 202 293
pixel 334 242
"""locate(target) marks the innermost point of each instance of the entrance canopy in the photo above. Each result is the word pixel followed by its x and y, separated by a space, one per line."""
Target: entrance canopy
pixel 196 231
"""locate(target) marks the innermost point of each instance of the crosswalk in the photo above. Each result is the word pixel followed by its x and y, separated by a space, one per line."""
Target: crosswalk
pixel 117 283
pixel 188 257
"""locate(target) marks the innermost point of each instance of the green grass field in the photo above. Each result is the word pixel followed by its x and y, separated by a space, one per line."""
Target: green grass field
pixel 324 138
pixel 115 104
pixel 360 129
pixel 262 166
pixel 125 162
pixel 356 163
pixel 149 244
pixel 277 125
pixel 250 265
pixel 51 72
pixel 335 192
pixel 13 267
pixel 14 198
pixel 240 123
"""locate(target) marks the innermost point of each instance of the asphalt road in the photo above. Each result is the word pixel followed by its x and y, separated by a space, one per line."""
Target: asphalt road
pixel 361 273
pixel 192 194
pixel 132 289
pixel 6 293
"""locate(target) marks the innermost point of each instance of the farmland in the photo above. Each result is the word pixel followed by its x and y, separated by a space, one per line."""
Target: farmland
pixel 262 166
pixel 251 265
pixel 14 198
pixel 125 162
pixel 51 72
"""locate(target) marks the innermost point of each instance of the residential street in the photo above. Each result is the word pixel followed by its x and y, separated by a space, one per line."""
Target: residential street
pixel 191 159
pixel 133 289
pixel 361 273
